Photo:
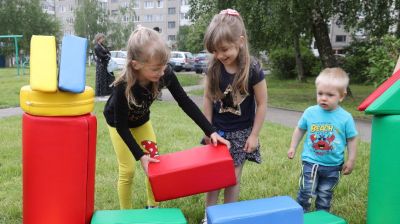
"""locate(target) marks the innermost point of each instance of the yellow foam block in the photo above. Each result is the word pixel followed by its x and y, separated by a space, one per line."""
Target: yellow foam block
pixel 56 104
pixel 43 64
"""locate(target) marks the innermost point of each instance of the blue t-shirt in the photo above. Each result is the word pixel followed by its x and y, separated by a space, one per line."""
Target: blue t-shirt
pixel 234 115
pixel 327 134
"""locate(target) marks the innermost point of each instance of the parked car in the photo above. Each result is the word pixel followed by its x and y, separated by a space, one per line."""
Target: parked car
pixel 201 62
pixel 182 60
pixel 119 57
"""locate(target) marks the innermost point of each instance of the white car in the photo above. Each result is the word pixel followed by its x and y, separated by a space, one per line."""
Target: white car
pixel 182 60
pixel 119 57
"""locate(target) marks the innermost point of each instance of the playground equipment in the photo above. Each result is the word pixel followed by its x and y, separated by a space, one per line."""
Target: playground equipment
pixel 192 171
pixel 142 216
pixel 383 186
pixel 15 37
pixel 322 217
pixel 275 210
pixel 59 140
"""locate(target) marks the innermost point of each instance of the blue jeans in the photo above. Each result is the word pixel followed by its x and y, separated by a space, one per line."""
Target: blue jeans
pixel 320 181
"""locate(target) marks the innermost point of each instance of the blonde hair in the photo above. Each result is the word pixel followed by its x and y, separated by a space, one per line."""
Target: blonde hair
pixel 144 45
pixel 227 27
pixel 336 77
pixel 98 37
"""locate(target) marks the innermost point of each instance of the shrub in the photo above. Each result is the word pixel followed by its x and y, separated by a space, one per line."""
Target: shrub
pixel 283 63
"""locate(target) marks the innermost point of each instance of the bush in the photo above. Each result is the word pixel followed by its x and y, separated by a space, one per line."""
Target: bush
pixel 372 61
pixel 283 63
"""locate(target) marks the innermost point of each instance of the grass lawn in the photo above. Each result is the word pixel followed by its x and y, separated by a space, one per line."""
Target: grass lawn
pixel 11 83
pixel 275 176
pixel 290 94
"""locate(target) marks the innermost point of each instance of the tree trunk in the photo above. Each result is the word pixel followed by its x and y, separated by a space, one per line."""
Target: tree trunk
pixel 299 61
pixel 321 35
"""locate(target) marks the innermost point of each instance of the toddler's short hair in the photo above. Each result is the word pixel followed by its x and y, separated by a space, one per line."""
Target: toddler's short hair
pixel 335 77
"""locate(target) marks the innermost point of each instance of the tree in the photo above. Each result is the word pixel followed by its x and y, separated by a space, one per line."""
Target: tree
pixel 121 28
pixel 26 18
pixel 90 19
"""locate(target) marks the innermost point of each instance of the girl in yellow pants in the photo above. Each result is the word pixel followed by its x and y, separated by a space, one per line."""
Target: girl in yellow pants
pixel 127 164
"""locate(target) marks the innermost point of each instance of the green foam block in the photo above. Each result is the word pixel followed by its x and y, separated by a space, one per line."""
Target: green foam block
pixel 388 102
pixel 384 182
pixel 322 217
pixel 139 216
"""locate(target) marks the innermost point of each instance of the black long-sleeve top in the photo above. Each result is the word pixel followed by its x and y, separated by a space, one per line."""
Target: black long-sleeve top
pixel 120 116
pixel 102 54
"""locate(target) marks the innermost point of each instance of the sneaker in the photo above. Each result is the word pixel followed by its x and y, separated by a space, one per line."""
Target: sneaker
pixel 204 221
pixel 150 207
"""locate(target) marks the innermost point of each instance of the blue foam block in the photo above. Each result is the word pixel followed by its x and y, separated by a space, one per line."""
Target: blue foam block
pixel 73 64
pixel 276 210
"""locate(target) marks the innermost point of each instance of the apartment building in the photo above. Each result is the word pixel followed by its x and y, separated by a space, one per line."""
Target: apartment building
pixel 338 36
pixel 168 15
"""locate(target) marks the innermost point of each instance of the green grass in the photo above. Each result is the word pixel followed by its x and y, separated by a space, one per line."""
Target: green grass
pixel 275 176
pixel 11 83
pixel 293 95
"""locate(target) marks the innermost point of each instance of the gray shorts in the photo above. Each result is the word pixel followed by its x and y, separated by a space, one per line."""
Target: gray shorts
pixel 238 141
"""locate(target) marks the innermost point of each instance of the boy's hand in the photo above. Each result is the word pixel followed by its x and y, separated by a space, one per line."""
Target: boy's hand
pixel 291 153
pixel 348 167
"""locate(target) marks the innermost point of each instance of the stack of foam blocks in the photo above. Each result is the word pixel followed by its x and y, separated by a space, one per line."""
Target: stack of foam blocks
pixel 58 134
pixel 384 184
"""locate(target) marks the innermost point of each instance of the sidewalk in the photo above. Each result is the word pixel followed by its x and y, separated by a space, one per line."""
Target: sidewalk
pixel 284 117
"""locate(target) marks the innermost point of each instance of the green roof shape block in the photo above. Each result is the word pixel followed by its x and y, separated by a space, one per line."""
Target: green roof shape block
pixel 388 103
pixel 139 216
pixel 322 217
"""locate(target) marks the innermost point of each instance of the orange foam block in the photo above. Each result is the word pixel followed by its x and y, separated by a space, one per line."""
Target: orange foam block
pixel 192 171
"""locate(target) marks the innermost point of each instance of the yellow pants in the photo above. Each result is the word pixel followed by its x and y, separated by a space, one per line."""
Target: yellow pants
pixel 127 163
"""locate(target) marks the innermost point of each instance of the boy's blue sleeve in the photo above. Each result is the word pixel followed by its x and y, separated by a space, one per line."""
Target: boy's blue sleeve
pixel 351 130
pixel 302 124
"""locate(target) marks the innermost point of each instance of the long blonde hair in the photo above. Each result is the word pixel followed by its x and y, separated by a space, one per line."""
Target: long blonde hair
pixel 144 45
pixel 227 26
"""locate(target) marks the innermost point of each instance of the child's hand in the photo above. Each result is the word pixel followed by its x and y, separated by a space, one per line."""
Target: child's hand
pixel 145 160
pixel 291 153
pixel 348 167
pixel 215 138
pixel 251 144
pixel 206 140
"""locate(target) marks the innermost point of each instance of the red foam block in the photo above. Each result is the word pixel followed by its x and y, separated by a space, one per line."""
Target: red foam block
pixel 58 169
pixel 381 89
pixel 192 171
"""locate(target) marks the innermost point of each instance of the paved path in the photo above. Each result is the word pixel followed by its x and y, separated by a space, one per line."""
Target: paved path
pixel 284 117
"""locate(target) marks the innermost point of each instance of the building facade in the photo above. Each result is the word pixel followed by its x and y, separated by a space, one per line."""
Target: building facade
pixel 167 15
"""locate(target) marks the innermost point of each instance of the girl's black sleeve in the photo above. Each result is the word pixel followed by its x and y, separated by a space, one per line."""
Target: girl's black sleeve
pixel 121 121
pixel 185 103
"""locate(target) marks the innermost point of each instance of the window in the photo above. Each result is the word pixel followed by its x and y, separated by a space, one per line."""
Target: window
pixel 184 2
pixel 125 19
pixel 148 4
pixel 135 18
pixel 160 4
pixel 148 18
pixel 171 11
pixel 185 16
pixel 171 37
pixel 158 18
pixel 136 4
pixel 340 38
pixel 171 25
pixel 114 12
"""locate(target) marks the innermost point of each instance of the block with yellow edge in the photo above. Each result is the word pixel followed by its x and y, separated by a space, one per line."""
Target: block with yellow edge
pixel 56 104
pixel 43 64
